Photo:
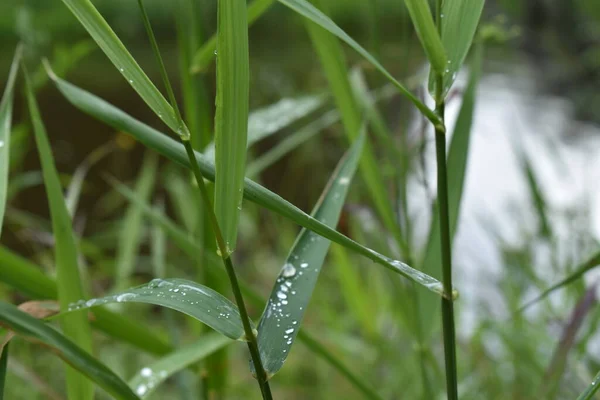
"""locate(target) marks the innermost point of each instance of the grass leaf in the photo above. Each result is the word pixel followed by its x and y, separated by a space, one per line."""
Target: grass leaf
pixel 590 391
pixel 254 192
pixel 150 377
pixel 3 368
pixel 420 14
pixel 296 282
pixel 6 106
pixel 231 119
pixel 115 50
pixel 185 296
pixel 29 327
pixel 70 288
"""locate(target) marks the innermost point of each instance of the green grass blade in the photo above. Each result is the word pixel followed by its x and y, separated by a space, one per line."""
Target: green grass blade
pixel 3 368
pixel 27 326
pixel 6 106
pixel 266 121
pixel 207 52
pixel 185 296
pixel 581 270
pixel 150 377
pixel 24 276
pixel 231 119
pixel 254 192
pixel 308 11
pixel 588 394
pixel 130 234
pixel 115 50
pixel 422 19
pixel 459 23
pixel 70 288
pixel 296 282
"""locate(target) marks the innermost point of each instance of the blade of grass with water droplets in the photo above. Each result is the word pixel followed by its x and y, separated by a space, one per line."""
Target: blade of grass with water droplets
pixel 308 11
pixel 70 287
pixel 27 326
pixel 6 106
pixel 231 116
pixel 590 391
pixel 145 382
pixel 182 295
pixel 207 52
pixel 459 23
pixel 295 284
pixel 422 19
pixel 115 50
pixel 254 192
pixel 24 276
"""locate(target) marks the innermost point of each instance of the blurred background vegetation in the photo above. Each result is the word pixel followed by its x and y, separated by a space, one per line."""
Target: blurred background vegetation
pixel 540 97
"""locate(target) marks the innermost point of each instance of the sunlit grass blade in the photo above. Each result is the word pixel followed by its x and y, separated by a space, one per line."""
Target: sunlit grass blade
pixel 308 11
pixel 182 295
pixel 3 368
pixel 70 287
pixel 145 382
pixel 268 120
pixel 459 23
pixel 6 106
pixel 115 50
pixel 422 19
pixel 590 391
pixel 206 53
pixel 231 118
pixel 24 276
pixel 296 282
pixel 130 235
pixel 254 192
pixel 29 327
pixel 591 263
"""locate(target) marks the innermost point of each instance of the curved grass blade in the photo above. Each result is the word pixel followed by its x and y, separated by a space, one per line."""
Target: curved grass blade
pixel 206 53
pixel 296 282
pixel 70 288
pixel 26 277
pixel 268 120
pixel 6 106
pixel 254 192
pixel 115 50
pixel 29 327
pixel 231 116
pixel 3 368
pixel 307 10
pixel 420 14
pixel 145 382
pixel 185 296
pixel 459 23
pixel 588 394
pixel 591 263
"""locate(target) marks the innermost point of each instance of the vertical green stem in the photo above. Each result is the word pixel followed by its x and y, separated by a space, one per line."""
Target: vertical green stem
pixel 442 189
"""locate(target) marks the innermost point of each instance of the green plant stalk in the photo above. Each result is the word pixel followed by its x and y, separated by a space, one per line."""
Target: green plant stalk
pixel 442 189
pixel 226 257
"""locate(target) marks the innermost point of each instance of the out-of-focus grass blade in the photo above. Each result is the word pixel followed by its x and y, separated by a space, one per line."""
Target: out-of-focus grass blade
pixel 3 368
pixel 592 262
pixel 27 326
pixel 254 192
pixel 588 394
pixel 296 282
pixel 150 377
pixel 207 52
pixel 185 296
pixel 307 10
pixel 231 119
pixel 6 106
pixel 459 23
pixel 115 50
pixel 420 14
pixel 130 234
pixel 26 277
pixel 75 326
pixel 271 119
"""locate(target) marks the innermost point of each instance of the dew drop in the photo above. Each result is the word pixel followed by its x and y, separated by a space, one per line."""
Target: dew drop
pixel 303 265
pixel 281 295
pixel 146 372
pixel 288 331
pixel 1 143
pixel 288 270
pixel 141 390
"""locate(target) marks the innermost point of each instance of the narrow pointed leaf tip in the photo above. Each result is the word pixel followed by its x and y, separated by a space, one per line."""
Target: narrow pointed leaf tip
pixel 193 299
pixel 295 284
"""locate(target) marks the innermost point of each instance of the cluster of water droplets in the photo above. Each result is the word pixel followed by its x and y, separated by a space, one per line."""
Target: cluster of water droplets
pixel 150 380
